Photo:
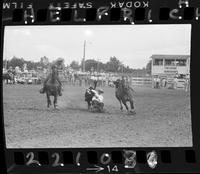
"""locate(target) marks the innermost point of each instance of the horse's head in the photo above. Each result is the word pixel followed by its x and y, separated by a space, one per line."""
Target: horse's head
pixel 117 83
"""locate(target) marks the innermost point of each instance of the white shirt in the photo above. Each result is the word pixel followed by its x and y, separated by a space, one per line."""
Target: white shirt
pixel 97 97
pixel 157 80
pixel 93 77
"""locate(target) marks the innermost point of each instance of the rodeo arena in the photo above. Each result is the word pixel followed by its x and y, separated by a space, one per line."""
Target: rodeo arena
pixel 98 109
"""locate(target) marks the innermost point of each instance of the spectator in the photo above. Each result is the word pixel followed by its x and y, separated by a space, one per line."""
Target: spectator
pixel 187 83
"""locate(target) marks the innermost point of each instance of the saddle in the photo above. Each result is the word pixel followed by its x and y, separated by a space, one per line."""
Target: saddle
pixel 52 81
pixel 49 82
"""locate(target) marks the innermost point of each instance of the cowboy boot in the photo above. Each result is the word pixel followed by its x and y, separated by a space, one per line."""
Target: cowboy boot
pixel 60 93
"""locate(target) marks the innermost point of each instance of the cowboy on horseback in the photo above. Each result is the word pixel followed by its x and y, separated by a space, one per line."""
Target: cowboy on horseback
pixel 124 93
pixel 54 70
pixel 125 84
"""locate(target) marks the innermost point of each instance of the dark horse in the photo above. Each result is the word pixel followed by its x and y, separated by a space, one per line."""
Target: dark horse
pixel 52 89
pixel 124 95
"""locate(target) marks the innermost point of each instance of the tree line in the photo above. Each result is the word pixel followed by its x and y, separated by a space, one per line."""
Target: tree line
pixel 19 62
pixel 113 65
pixel 31 65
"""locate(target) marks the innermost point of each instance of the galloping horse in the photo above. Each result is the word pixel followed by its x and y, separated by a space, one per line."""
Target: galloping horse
pixel 52 89
pixel 124 95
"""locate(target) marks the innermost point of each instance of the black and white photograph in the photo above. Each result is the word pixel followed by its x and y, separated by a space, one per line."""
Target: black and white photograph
pixel 79 86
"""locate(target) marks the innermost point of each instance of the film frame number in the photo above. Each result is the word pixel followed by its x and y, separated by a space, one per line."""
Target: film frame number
pixel 113 169
pixel 57 159
pixel 30 156
pixel 105 159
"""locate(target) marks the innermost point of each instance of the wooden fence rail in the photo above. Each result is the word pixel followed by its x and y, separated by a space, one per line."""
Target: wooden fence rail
pixel 141 81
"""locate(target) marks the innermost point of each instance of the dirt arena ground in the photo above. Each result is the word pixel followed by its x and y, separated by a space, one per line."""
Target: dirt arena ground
pixel 162 119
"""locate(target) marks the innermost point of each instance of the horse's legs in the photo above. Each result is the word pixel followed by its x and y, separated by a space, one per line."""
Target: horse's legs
pixel 48 100
pixel 132 106
pixel 89 104
pixel 55 101
pixel 124 102
pixel 121 107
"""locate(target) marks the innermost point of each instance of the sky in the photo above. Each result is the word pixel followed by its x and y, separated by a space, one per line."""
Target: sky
pixel 133 45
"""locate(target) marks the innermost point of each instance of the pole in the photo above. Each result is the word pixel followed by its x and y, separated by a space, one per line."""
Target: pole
pixel 6 64
pixel 84 55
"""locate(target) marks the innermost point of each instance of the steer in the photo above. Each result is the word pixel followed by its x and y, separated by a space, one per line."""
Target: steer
pixel 89 94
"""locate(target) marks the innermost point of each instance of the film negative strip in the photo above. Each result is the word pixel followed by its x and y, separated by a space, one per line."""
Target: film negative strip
pixel 95 58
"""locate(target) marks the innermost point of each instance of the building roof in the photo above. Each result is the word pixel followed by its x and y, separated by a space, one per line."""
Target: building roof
pixel 163 56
